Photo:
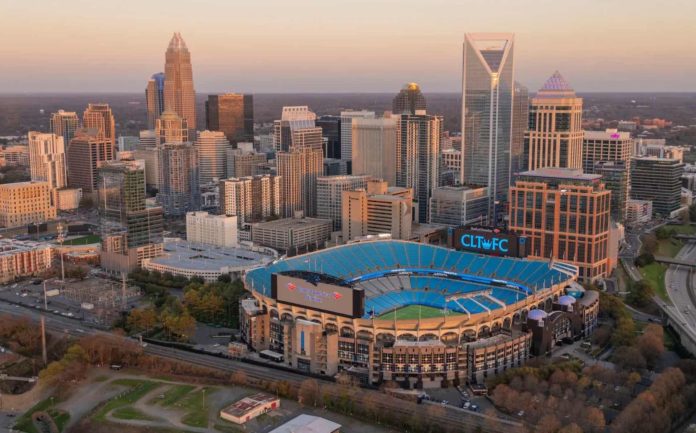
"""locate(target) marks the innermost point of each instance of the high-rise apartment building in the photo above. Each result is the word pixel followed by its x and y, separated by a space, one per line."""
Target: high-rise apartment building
pixel 459 205
pixel 347 118
pixel 171 128
pixel 564 214
pixel 374 147
pixel 154 98
pixel 554 135
pixel 378 209
pixel 409 100
pixel 250 198
pixel 616 178
pixel 657 180
pixel 608 145
pixel 47 160
pixel 179 93
pixel 296 128
pixel 64 124
pixel 179 178
pixel 212 155
pixel 418 157
pixel 331 131
pixel 298 169
pixel 85 154
pixel 330 192
pixel 23 203
pixel 208 229
pixel 99 118
pixel 487 94
pixel 244 161
pixel 232 114
pixel 520 121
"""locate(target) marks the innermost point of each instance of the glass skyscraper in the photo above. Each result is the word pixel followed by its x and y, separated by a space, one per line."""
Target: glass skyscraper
pixel 487 94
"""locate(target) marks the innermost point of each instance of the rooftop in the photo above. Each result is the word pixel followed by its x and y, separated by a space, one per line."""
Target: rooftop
pixel 556 83
pixel 561 173
pixel 11 246
pixel 307 424
pixel 186 255
pixel 289 223
pixel 241 407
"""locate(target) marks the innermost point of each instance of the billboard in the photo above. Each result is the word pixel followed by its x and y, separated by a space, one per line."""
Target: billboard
pixel 489 242
pixel 321 296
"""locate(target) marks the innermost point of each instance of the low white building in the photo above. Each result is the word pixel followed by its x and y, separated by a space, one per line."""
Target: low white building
pixel 308 424
pixel 208 229
pixel 68 198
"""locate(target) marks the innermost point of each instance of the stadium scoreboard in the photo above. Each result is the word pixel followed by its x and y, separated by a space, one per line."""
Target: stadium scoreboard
pixel 342 300
pixel 492 242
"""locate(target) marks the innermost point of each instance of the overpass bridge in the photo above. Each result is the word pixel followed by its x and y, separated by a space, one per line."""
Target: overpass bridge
pixel 675 261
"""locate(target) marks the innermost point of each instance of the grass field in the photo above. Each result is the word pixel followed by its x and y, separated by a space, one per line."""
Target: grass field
pixel 669 247
pixel 194 404
pixel 173 395
pixel 413 312
pixel 129 412
pixel 138 389
pixel 654 274
pixel 84 240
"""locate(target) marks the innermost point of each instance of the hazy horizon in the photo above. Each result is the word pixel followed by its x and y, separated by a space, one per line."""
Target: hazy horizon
pixel 310 46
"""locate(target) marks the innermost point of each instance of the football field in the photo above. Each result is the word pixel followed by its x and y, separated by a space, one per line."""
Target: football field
pixel 413 312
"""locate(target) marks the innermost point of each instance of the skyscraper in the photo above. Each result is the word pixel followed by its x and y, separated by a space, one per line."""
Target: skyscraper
pixel 615 175
pixel 657 180
pixel 47 159
pixel 64 124
pixel 171 128
pixel 85 154
pixel 296 128
pixel 520 121
pixel 179 94
pixel 418 157
pixel 409 100
pixel 212 155
pixel 99 118
pixel 331 131
pixel 374 148
pixel 554 136
pixel 329 195
pixel 487 93
pixel 250 198
pixel 244 161
pixel 609 145
pixel 179 182
pixel 154 98
pixel 347 130
pixel 298 169
pixel 233 114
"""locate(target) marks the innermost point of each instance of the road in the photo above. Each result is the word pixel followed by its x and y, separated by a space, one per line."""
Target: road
pixel 680 282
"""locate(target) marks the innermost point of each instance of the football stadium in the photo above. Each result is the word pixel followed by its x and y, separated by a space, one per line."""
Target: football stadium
pixel 417 314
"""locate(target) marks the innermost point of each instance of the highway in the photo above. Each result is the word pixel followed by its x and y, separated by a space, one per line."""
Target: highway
pixel 680 282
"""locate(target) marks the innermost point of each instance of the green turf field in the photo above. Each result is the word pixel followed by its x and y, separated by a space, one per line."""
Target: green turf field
pixel 412 312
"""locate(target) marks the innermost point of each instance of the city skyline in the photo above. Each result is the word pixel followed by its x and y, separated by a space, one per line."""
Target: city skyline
pixel 603 48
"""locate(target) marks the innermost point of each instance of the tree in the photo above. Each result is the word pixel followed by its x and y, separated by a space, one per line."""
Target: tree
pixel 629 357
pixel 692 213
pixel 571 428
pixel 644 259
pixel 640 293
pixel 651 344
pixel 548 424
pixel 650 243
pixel 309 392
pixel 142 319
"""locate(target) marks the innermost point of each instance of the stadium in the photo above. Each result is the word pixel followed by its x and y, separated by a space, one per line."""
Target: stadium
pixel 417 314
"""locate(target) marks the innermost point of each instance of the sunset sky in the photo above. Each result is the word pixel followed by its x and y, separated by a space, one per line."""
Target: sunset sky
pixel 342 46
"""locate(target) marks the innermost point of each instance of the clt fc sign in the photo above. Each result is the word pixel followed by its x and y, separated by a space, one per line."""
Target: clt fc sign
pixel 480 242
pixel 487 242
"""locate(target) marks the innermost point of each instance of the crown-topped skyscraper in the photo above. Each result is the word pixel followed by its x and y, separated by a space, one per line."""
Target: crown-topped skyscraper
pixel 179 94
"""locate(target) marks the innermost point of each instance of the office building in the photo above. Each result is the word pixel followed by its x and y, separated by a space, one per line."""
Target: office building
pixel 608 145
pixel 171 128
pixel 23 258
pixel 47 161
pixel 451 162
pixel 409 100
pixel 64 124
pixel 85 154
pixel 232 114
pixel 179 179
pixel 291 234
pixel 378 209
pixel 459 206
pixel 330 192
pixel 331 131
pixel 250 198
pixel 347 118
pixel 127 143
pixel 154 98
pixel 638 212
pixel 616 178
pixel 298 169
pixel 208 229
pixel 565 216
pixel 98 117
pixel 520 121
pixel 212 149
pixel 418 158
pixel 68 198
pixel 24 203
pixel 12 156
pixel 657 180
pixel 296 128
pixel 179 94
pixel 244 161
pixel 335 167
pixel 554 135
pixel 374 147
pixel 487 94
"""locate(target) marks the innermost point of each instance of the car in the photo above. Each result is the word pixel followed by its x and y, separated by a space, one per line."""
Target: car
pixel 444 402
pixel 474 408
pixel 466 405
pixel 520 413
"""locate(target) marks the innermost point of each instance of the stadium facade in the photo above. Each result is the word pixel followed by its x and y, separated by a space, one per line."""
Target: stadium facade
pixel 413 313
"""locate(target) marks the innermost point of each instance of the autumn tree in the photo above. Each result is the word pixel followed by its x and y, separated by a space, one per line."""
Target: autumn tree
pixel 142 319
pixel 308 393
